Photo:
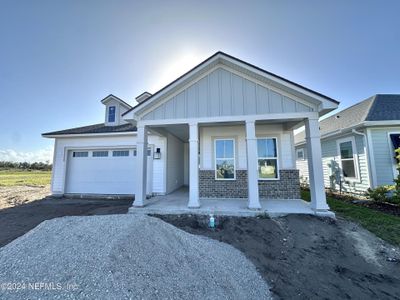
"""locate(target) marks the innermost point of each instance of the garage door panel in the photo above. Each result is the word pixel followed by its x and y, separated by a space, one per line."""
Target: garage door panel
pixel 102 175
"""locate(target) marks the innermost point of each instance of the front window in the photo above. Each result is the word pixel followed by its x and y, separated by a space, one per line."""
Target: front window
pixel 224 159
pixel 347 159
pixel 267 158
pixel 111 114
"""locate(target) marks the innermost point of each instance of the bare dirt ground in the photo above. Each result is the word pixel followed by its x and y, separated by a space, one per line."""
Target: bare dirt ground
pixel 11 196
pixel 23 208
pixel 305 257
pixel 300 257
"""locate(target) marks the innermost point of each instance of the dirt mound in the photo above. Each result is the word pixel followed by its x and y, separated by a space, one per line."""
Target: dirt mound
pixel 125 257
pixel 305 257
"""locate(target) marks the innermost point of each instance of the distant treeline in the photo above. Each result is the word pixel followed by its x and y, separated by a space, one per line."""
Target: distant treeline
pixel 25 165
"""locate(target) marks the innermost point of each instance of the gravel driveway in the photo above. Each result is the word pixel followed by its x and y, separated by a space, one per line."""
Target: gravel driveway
pixel 122 257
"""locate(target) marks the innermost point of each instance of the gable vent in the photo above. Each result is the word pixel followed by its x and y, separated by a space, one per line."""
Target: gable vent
pixel 142 97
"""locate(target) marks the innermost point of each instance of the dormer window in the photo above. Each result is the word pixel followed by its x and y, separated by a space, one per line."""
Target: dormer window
pixel 111 114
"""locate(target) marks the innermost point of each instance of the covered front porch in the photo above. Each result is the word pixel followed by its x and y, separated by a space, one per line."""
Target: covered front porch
pixel 176 203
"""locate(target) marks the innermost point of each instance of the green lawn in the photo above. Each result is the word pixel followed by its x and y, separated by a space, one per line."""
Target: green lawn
pixel 22 177
pixel 385 226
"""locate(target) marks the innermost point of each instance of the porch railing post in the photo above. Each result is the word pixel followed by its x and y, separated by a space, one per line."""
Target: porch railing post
pixel 316 175
pixel 141 179
pixel 193 166
pixel 252 168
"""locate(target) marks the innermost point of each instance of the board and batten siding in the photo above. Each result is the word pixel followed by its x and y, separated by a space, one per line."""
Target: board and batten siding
pixel 331 160
pixel 62 145
pixel 383 156
pixel 224 93
pixel 238 133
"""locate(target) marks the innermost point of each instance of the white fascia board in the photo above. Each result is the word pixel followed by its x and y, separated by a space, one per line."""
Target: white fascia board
pixel 227 119
pixel 89 135
pixel 334 133
pixel 382 123
pixel 104 101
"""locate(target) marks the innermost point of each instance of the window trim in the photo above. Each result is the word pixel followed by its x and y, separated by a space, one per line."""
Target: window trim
pixel 108 114
pixel 277 158
pixel 394 166
pixel 234 158
pixel 297 155
pixel 355 158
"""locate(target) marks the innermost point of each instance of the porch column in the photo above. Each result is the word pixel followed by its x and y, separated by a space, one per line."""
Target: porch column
pixel 252 167
pixel 141 182
pixel 314 155
pixel 193 166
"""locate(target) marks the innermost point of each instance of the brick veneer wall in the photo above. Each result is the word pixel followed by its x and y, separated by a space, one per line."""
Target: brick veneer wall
pixel 287 187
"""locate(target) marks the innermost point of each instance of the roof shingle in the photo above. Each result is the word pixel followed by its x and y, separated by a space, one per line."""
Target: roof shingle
pixel 96 128
pixel 381 107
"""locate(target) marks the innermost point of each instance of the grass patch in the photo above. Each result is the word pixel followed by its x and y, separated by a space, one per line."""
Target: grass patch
pixel 385 226
pixel 14 177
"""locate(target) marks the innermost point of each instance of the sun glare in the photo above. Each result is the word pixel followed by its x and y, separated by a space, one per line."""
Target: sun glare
pixel 175 68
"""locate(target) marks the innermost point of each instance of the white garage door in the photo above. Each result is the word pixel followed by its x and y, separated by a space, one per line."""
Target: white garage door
pixel 104 171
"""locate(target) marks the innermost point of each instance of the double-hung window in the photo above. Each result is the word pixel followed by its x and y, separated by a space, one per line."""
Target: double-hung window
pixel 111 114
pixel 348 159
pixel 225 159
pixel 268 166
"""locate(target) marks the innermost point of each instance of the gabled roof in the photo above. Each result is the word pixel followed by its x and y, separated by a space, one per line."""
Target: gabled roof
pixel 93 129
pixel 381 107
pixel 111 96
pixel 236 60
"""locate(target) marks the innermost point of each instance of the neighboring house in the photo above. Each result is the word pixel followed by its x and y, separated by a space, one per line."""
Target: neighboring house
pixel 357 145
pixel 225 129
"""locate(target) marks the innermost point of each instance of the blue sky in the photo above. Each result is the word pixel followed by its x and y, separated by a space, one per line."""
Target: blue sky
pixel 58 59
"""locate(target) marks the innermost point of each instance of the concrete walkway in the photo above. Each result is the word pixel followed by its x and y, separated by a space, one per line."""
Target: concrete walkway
pixel 176 203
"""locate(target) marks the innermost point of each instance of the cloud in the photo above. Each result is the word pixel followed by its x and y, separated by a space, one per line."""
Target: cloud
pixel 42 155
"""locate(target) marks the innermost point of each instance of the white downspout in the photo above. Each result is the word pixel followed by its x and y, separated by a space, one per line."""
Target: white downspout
pixel 370 179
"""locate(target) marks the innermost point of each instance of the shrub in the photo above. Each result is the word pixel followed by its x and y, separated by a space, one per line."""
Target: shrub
pixel 380 194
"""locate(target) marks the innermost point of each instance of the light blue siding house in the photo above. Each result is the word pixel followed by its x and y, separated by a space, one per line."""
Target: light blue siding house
pixel 357 145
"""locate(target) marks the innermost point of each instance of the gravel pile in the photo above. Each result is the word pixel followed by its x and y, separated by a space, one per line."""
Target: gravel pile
pixel 122 257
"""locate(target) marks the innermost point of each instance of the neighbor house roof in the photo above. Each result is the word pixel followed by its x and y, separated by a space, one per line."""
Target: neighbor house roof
pixel 93 129
pixel 219 53
pixel 381 107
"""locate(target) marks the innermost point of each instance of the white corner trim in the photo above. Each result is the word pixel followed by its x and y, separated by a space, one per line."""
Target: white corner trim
pixel 372 159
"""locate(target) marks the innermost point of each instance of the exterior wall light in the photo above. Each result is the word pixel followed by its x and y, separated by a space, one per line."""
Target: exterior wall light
pixel 157 153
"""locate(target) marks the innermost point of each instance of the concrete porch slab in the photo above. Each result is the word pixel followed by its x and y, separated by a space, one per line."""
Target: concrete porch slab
pixel 176 203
